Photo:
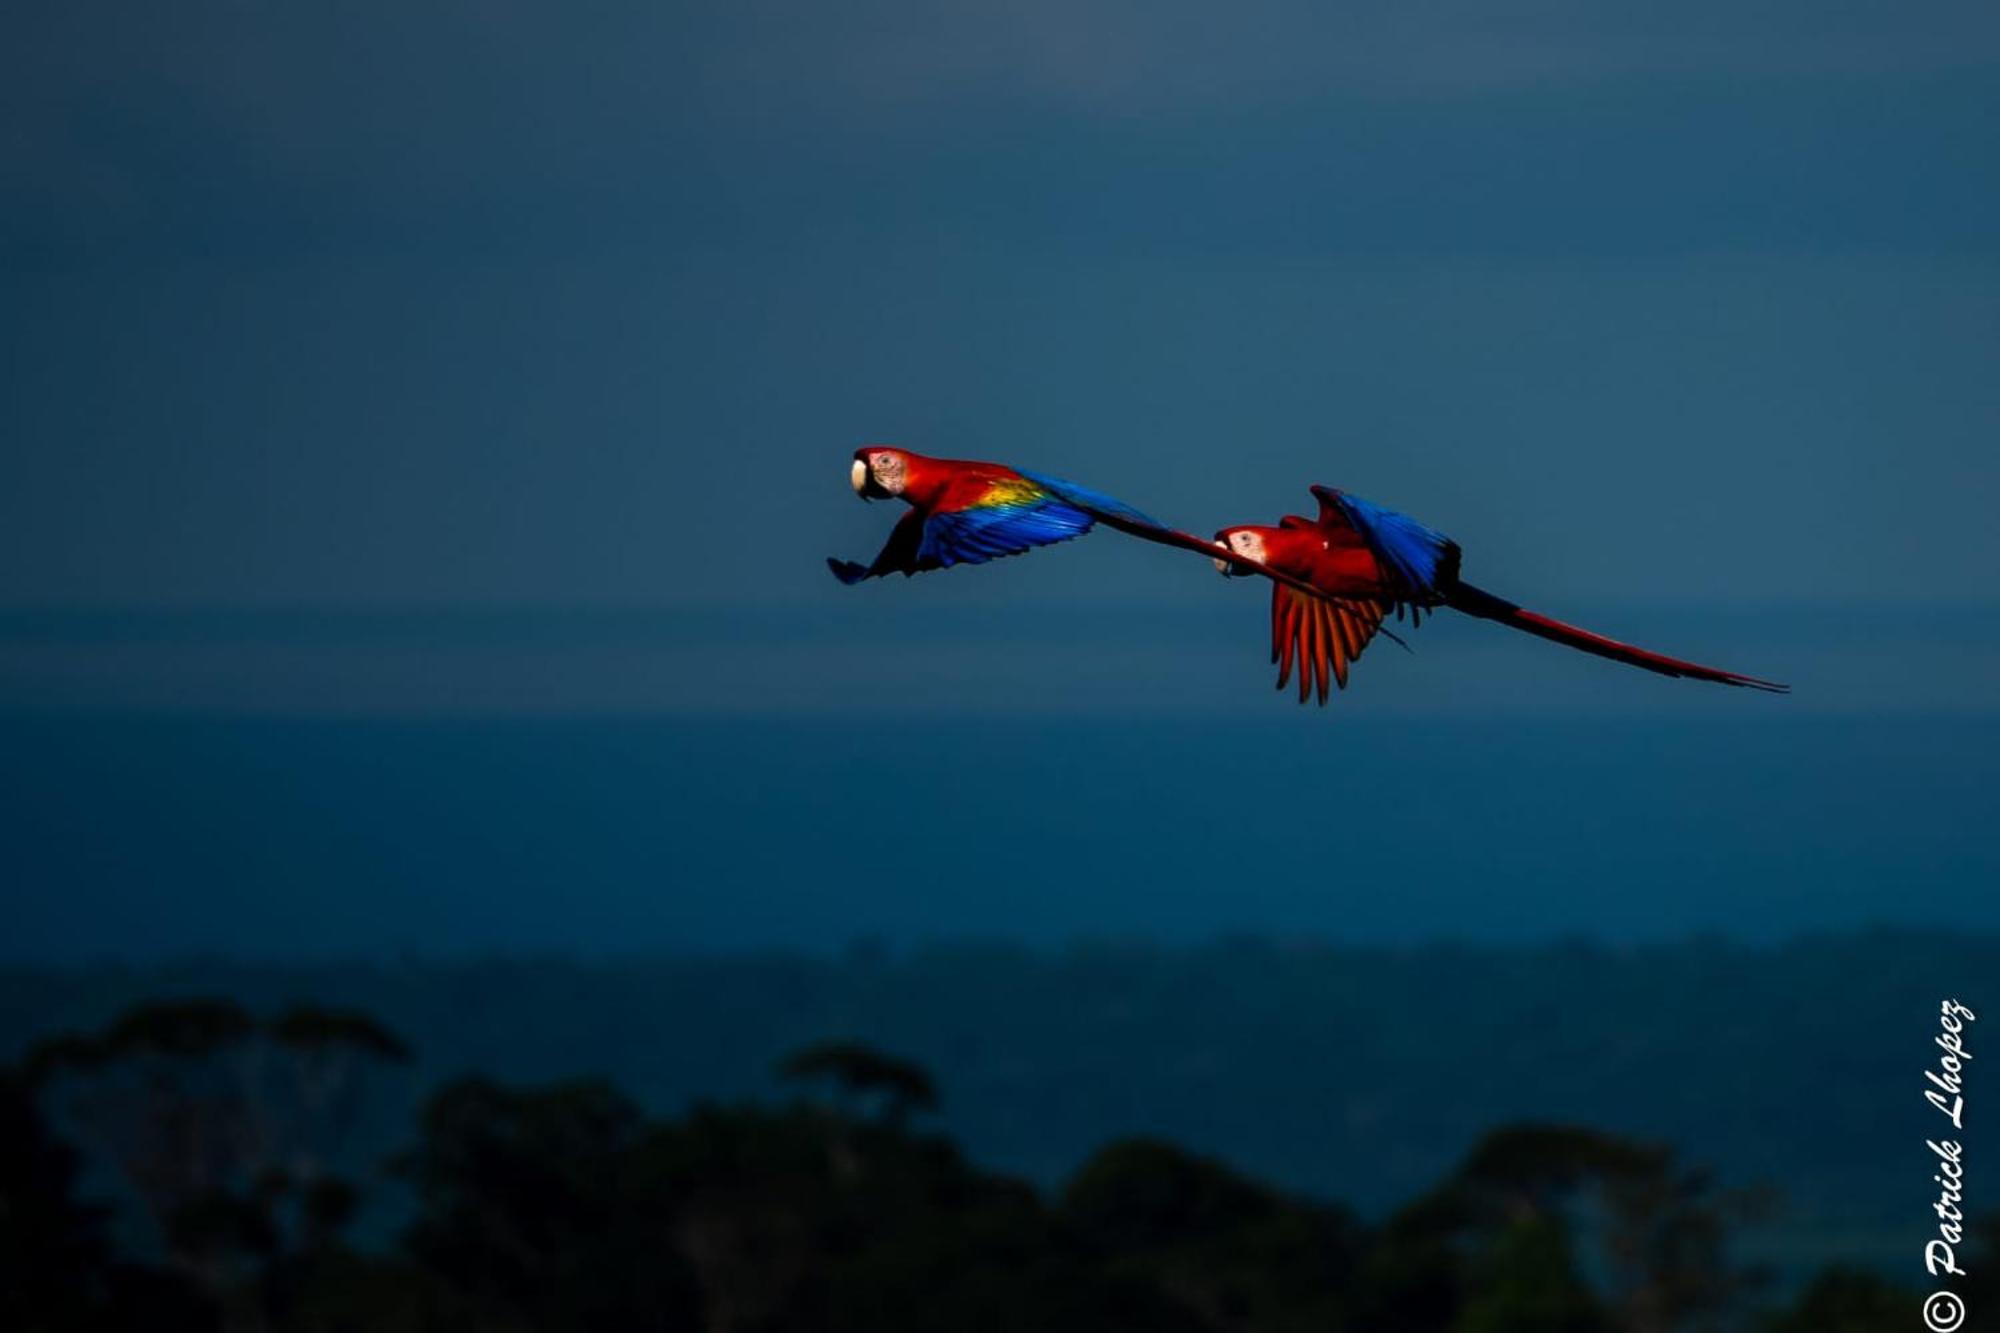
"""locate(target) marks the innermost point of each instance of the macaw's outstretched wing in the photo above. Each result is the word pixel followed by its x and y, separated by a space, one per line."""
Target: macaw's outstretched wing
pixel 988 517
pixel 1095 503
pixel 1322 636
pixel 1012 517
pixel 897 556
pixel 1423 561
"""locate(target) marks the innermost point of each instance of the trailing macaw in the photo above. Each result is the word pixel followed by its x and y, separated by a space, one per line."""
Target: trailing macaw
pixel 1362 562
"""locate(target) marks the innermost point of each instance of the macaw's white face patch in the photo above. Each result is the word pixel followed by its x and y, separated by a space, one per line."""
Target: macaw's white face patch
pixel 1244 543
pixel 886 467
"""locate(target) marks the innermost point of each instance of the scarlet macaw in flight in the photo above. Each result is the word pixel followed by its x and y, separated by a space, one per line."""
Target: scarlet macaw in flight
pixel 1334 580
pixel 1365 561
pixel 968 513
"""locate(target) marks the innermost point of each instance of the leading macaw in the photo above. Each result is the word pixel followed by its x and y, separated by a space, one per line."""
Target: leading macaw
pixel 966 513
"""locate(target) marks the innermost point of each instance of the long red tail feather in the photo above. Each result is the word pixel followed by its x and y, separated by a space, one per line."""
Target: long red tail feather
pixel 1477 602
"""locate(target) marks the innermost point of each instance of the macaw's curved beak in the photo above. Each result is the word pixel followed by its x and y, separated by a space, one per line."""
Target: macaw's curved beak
pixel 858 476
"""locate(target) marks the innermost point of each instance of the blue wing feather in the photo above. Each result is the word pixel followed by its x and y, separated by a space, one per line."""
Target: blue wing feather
pixel 974 536
pixel 1045 511
pixel 1421 557
pixel 1085 498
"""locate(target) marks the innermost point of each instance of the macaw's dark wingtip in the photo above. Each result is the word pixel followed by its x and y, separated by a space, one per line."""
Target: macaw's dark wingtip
pixel 847 571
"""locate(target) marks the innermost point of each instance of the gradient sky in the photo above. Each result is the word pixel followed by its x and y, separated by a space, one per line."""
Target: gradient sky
pixel 475 361
pixel 509 304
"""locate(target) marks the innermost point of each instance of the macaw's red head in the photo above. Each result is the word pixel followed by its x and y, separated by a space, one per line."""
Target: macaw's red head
pixel 879 473
pixel 1247 542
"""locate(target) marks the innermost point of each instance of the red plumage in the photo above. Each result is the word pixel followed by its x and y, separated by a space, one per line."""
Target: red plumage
pixel 1335 579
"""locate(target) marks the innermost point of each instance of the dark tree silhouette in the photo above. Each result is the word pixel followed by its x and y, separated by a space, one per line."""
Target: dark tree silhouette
pixel 861 1073
pixel 535 1215
pixel 1232 1254
pixel 545 1210
pixel 330 1052
pixel 222 1128
pixel 1849 1300
pixel 1526 1281
pixel 58 1269
pixel 161 1093
pixel 1658 1232
pixel 53 1251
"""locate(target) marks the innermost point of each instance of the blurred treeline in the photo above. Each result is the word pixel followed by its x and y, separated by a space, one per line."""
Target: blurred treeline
pixel 1347 1072
pixel 195 1166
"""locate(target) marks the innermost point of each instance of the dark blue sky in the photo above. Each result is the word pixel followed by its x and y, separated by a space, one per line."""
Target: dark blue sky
pixel 506 304
pixel 492 360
